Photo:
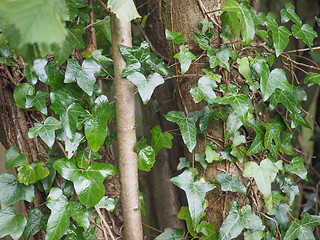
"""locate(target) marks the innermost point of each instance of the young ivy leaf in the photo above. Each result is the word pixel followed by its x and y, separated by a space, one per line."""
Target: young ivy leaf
pixel 237 221
pixel 21 92
pixel 204 90
pixel 184 214
pixel 13 158
pixel 311 78
pixel 175 36
pixel 289 14
pixel 187 128
pixel 185 58
pixel 107 203
pixel 28 174
pixel 258 143
pixel 145 85
pixel 230 184
pixel 46 131
pixel 195 192
pixel 244 69
pixel 233 124
pixel 302 229
pixel 297 167
pixel 169 234
pixel 146 159
pixel 160 140
pixel 220 57
pixel 11 223
pixel 264 175
pixel 304 32
pixel 273 130
pixel 88 183
pixel 257 235
pixel 84 75
pixel 38 101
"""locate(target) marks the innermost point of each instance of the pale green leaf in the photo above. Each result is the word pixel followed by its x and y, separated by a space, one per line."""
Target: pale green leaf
pixel 304 32
pixel 11 223
pixel 297 167
pixel 244 69
pixel 211 155
pixel 124 9
pixel 230 184
pixel 108 203
pixel 169 234
pixel 175 36
pixel 258 235
pixel 185 58
pixel 28 174
pixel 220 57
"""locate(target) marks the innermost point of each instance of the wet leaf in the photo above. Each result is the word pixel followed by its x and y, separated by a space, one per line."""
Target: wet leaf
pixel 289 14
pixel 304 32
pixel 146 159
pixel 21 92
pixel 108 203
pixel 28 174
pixel 11 223
pixel 36 222
pixel 13 158
pixel 38 101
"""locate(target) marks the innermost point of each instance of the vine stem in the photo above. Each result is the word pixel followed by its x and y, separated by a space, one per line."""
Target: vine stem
pixel 285 210
pixel 104 222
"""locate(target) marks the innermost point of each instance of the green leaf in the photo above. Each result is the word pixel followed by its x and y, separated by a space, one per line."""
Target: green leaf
pixel 21 92
pixel 236 221
pixel 169 234
pixel 239 103
pixel 204 90
pixel 11 223
pixel 184 214
pixel 230 184
pixel 297 167
pixel 286 146
pixel 43 20
pixel 80 214
pixel 273 130
pixel 304 32
pixel 195 192
pixel 124 9
pixel 203 39
pixel 312 78
pixel 31 173
pixel 208 230
pixel 13 158
pixel 146 159
pixel 205 25
pixel 97 55
pixel 231 19
pixel 160 140
pixel 145 85
pixel 85 75
pixel 289 14
pixel 183 163
pixel 73 40
pixel 264 175
pixel 38 101
pixel 238 139
pixel 258 235
pixel 12 191
pixel 302 229
pixel 244 69
pixel 187 128
pixel 185 58
pixel 48 180
pixel 175 36
pixel 36 222
pixel 201 158
pixel 281 215
pixel 84 155
pixel 258 143
pixel 59 219
pixel 287 186
pixel 30 75
pixel 220 57
pixel 211 155
pixel 88 183
pixel 45 131
pixel 233 124
pixel 108 203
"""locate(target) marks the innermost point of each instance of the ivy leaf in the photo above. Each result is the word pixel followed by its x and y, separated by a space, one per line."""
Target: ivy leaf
pixel 43 21
pixel 230 184
pixel 83 155
pixel 311 78
pixel 45 131
pixel 38 101
pixel 175 36
pixel 183 163
pixel 21 92
pixel 169 234
pixel 211 155
pixel 31 173
pixel 187 128
pixel 286 146
pixel 297 167
pixel 97 55
pixel 80 214
pixel 233 124
pixel 239 103
pixel 204 90
pixel 287 186
pixel 36 222
pixel 205 25
pixel 276 79
pixel 11 223
pixel 264 175
pixel 304 32
pixel 244 69
pixel 88 183
pixel 273 130
pixel 258 143
pixel 160 140
pixel 184 214
pixel 281 215
pixel 236 221
pixel 289 14
pixel 220 57
pixel 145 85
pixel 185 58
pixel 13 158
pixel 201 158
pixel 231 19
pixel 258 235
pixel 124 9
pixel 108 203
pixel 146 159
pixel 84 75
pixel 203 39
pixel 73 40
pixel 11 191
pixel 302 229
pixel 195 192
pixel 59 219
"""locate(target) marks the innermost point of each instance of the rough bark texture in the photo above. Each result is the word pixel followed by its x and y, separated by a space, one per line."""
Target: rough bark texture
pixel 126 134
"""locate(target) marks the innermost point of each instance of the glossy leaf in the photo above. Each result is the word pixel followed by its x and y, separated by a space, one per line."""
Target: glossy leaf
pixel 145 85
pixel 286 146
pixel 264 175
pixel 203 39
pixel 187 128
pixel 312 78
pixel 160 139
pixel 21 92
pixel 220 57
pixel 185 58
pixel 11 191
pixel 304 32
pixel 88 183
pixel 258 143
pixel 84 75
pixel 297 167
pixel 289 187
pixel 233 124
pixel 273 130
pixel 237 221
pixel 84 155
pixel 169 234
pixel 195 192
pixel 289 14
pixel 201 158
pixel 231 19
pixel 80 214
pixel 146 159
pixel 211 155
pixel 107 203
pixel 71 146
pixel 230 184
pixel 11 223
pixel 258 235
pixel 46 131
pixel 183 163
pixel 97 55
pixel 244 69
pixel 38 101
pixel 204 90
pixel 184 214
pixel 124 9
pixel 28 174
pixel 175 36
pixel 13 158
pixel 281 215
pixel 36 222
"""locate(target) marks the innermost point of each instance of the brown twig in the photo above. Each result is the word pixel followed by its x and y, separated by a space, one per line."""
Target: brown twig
pixel 104 6
pixel 104 222
pixel 284 209
pixel 91 24
pixel 93 37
